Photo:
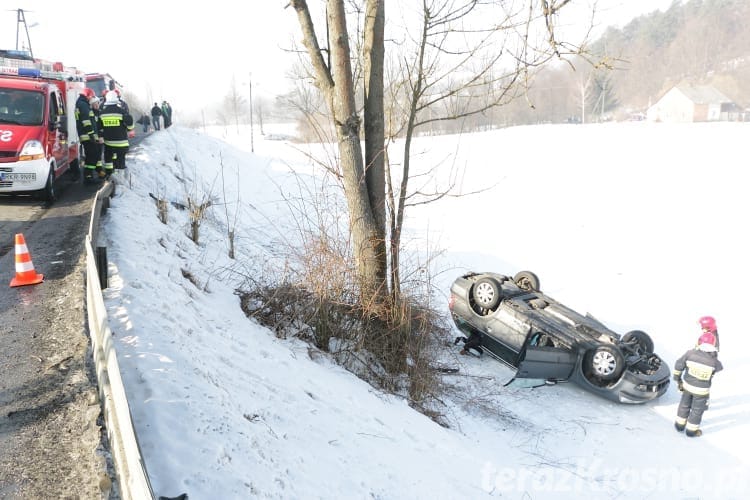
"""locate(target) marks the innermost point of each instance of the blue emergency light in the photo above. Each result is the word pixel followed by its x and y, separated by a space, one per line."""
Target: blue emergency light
pixel 33 72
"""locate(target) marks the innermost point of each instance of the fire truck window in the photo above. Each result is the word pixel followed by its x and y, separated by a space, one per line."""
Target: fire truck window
pixel 53 108
pixel 27 108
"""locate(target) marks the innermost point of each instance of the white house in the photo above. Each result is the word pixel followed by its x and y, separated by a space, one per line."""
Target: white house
pixel 693 103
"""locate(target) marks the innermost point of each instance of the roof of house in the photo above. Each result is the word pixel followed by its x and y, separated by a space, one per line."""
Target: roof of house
pixel 702 94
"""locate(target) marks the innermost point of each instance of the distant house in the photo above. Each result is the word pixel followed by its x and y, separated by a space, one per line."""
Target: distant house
pixel 694 103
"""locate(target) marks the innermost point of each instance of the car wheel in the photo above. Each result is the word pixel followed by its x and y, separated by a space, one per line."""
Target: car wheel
pixel 641 339
pixel 606 362
pixel 526 280
pixel 486 293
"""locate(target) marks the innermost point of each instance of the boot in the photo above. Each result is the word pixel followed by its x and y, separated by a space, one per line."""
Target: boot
pixel 679 427
pixel 696 433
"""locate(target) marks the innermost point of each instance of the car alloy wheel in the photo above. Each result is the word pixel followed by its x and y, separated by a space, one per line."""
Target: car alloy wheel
pixel 607 362
pixel 486 293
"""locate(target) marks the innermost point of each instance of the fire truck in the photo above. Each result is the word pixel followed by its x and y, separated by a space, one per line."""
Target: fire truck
pixel 38 137
pixel 101 83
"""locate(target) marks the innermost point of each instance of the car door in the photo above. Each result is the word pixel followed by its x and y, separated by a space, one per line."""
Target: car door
pixel 505 334
pixel 546 362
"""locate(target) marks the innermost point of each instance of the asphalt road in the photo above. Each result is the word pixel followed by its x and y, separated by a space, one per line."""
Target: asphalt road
pixel 52 443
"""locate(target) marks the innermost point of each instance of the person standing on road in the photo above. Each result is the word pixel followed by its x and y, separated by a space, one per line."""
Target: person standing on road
pixel 87 133
pixel 693 373
pixel 99 145
pixel 145 122
pixel 166 112
pixel 155 114
pixel 116 124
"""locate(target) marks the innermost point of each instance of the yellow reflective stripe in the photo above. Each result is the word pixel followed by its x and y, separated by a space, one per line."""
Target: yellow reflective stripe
pixel 117 144
pixel 86 122
pixel 84 137
pixel 692 427
pixel 111 121
pixel 680 420
pixel 699 370
pixel 677 372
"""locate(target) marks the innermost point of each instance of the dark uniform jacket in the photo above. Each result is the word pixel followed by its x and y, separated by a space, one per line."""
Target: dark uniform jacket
pixel 697 368
pixel 115 124
pixel 85 120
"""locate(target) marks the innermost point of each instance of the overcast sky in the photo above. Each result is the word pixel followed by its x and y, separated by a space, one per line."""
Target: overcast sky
pixel 189 53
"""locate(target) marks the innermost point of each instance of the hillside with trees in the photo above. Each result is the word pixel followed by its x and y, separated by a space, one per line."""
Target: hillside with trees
pixel 703 42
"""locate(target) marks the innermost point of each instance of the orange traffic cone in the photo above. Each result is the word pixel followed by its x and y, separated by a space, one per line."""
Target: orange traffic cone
pixel 25 274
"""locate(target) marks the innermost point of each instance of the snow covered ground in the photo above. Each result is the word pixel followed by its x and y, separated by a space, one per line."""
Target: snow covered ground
pixel 640 224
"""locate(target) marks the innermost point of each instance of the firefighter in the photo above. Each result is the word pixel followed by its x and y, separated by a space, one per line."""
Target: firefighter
pixel 708 325
pixel 116 123
pixel 87 133
pixel 96 108
pixel 693 373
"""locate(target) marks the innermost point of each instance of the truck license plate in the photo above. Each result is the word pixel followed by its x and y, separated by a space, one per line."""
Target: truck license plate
pixel 17 176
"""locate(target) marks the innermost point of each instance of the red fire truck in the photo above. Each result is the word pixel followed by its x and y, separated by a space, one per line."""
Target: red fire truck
pixel 38 138
pixel 100 83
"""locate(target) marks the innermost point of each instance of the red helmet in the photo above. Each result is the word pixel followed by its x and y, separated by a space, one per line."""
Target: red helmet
pixel 88 93
pixel 707 338
pixel 707 323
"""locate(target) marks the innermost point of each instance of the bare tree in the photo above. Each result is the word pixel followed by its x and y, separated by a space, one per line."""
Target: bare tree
pixel 234 103
pixel 468 57
pixel 334 78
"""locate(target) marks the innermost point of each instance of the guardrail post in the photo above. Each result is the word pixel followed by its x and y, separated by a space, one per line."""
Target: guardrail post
pixel 101 267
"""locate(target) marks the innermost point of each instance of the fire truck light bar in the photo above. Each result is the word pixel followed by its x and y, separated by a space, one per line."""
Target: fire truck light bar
pixel 9 70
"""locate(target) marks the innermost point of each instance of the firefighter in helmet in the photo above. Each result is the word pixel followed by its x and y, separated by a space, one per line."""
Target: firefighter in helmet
pixel 86 127
pixel 693 372
pixel 708 325
pixel 116 124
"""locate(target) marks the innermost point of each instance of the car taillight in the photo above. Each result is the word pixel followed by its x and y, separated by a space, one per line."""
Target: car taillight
pixel 451 301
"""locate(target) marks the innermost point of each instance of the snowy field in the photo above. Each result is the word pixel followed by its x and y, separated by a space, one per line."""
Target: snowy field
pixel 639 224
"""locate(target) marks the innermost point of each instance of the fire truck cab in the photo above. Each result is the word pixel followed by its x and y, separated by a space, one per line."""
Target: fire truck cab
pixel 38 137
pixel 101 83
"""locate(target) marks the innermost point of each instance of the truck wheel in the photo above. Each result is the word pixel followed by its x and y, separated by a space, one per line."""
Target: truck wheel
pixel 74 171
pixel 48 193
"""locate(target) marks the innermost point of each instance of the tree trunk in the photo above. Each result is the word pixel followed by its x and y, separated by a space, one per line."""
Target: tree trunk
pixel 374 55
pixel 337 85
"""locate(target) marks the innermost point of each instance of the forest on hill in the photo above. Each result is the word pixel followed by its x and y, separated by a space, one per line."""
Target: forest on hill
pixel 703 42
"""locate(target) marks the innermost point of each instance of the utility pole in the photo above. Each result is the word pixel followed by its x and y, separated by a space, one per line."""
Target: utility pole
pixel 21 19
pixel 250 86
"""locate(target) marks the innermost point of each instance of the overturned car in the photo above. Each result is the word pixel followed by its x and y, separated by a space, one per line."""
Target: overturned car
pixel 543 339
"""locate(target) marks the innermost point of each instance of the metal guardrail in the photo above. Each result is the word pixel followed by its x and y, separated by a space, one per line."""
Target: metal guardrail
pixel 129 466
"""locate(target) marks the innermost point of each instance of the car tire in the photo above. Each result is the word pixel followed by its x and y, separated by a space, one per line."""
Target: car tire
pixel 526 280
pixel 605 363
pixel 642 339
pixel 486 293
